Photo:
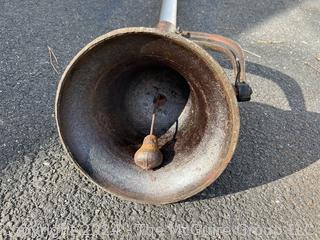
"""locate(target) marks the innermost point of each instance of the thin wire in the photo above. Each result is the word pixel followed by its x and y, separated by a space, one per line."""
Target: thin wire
pixel 152 122
pixel 157 102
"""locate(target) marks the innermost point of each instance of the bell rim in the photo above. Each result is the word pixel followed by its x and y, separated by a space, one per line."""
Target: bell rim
pixel 214 66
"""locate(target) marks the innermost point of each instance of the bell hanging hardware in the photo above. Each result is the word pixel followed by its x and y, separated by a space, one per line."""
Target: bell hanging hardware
pixel 108 97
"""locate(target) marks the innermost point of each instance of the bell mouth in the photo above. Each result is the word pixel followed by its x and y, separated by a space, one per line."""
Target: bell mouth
pixel 123 102
pixel 104 106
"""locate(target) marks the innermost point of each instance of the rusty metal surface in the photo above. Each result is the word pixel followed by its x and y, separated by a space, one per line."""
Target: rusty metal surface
pixel 102 121
pixel 166 26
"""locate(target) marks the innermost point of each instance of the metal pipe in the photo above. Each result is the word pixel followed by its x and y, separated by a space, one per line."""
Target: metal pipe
pixel 168 14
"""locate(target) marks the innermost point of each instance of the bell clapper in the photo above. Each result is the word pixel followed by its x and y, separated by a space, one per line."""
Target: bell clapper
pixel 148 155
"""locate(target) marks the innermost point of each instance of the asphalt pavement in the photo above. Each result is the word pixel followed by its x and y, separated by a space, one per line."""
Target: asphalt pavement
pixel 270 190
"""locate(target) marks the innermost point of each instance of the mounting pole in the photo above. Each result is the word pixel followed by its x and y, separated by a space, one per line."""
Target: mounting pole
pixel 168 15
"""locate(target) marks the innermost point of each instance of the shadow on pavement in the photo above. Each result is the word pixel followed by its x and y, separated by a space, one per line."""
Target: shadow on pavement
pixel 273 143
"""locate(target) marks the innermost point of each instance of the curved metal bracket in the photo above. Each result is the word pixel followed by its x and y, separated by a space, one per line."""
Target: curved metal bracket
pixel 232 51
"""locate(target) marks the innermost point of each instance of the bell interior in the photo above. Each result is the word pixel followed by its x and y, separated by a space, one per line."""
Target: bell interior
pixel 104 109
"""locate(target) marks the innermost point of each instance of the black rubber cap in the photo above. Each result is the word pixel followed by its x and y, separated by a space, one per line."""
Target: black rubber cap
pixel 243 91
